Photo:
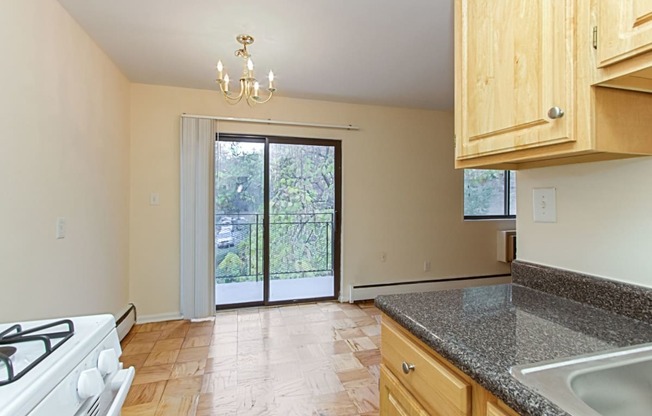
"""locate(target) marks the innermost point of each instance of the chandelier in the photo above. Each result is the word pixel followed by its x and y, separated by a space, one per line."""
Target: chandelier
pixel 249 87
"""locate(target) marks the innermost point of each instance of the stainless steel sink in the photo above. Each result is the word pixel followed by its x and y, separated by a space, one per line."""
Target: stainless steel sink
pixel 612 383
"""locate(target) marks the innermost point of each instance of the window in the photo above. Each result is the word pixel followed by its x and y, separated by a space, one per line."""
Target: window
pixel 489 194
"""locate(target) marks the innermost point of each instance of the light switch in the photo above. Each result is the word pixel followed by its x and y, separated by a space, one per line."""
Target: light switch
pixel 544 202
pixel 61 228
pixel 154 198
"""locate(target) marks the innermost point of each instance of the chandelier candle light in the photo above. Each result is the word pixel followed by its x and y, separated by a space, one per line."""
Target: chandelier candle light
pixel 249 87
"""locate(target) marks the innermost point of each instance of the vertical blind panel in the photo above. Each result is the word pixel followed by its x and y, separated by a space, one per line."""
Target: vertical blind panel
pixel 197 219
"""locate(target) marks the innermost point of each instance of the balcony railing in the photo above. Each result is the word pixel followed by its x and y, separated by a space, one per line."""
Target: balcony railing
pixel 301 245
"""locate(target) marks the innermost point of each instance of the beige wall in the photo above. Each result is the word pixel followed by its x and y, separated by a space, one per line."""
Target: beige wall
pixel 64 144
pixel 401 194
pixel 604 219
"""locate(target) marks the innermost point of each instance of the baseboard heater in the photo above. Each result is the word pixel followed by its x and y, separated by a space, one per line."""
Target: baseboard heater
pixel 126 321
pixel 366 292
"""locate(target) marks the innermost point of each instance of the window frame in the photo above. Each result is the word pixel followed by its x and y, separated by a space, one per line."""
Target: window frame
pixel 506 202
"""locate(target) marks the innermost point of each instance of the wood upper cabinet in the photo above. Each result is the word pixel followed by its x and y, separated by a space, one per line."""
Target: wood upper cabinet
pixel 520 63
pixel 512 68
pixel 624 29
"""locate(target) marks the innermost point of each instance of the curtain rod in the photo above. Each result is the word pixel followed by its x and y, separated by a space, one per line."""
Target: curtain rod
pixel 276 122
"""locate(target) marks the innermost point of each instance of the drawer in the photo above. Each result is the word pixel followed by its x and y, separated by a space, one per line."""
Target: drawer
pixel 494 410
pixel 436 387
pixel 499 409
pixel 394 399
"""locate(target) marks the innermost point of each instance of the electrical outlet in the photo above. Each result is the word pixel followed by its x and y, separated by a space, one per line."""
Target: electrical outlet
pixel 383 257
pixel 426 266
pixel 544 202
pixel 154 198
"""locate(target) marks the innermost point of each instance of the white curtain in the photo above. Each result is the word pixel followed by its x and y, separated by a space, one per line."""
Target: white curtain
pixel 197 217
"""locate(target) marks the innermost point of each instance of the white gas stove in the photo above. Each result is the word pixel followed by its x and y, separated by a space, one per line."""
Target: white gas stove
pixel 62 367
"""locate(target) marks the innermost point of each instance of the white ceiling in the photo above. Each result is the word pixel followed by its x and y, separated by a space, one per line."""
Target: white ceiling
pixel 397 53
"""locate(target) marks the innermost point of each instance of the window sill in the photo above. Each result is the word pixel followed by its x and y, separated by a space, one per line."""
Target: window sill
pixel 490 218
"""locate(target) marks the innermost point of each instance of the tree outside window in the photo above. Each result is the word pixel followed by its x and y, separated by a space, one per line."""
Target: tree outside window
pixel 489 194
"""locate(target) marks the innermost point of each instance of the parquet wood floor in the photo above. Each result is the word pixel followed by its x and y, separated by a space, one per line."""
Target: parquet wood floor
pixel 318 359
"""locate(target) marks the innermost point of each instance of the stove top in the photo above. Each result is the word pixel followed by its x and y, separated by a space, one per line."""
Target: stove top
pixel 70 341
pixel 22 349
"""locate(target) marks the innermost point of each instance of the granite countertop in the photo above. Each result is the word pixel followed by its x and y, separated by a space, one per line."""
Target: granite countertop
pixel 486 330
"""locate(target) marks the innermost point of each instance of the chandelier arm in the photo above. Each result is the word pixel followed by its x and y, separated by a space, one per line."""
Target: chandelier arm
pixel 259 101
pixel 221 84
pixel 242 90
pixel 230 98
pixel 233 99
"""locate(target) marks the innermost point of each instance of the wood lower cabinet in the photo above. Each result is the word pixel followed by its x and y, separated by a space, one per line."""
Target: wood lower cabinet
pixel 530 90
pixel 415 380
pixel 494 410
pixel 395 399
pixel 440 390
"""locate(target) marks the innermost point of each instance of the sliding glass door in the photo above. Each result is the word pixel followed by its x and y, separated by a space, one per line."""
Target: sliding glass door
pixel 277 204
pixel 239 206
pixel 301 221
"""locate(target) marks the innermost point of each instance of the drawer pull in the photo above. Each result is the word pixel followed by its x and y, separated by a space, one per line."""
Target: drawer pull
pixel 407 367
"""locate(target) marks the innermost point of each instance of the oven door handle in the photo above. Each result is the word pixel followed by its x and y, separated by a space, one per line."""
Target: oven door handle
pixel 121 382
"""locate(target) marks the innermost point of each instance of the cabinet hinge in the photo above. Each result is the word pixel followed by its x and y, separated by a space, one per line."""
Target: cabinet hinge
pixel 595 37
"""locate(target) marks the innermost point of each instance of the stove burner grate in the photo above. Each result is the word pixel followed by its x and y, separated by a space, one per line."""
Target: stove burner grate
pixel 7 351
pixel 15 334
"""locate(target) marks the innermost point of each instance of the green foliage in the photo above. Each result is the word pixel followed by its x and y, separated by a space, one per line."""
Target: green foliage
pixel 302 200
pixel 239 178
pixel 302 179
pixel 232 265
pixel 481 189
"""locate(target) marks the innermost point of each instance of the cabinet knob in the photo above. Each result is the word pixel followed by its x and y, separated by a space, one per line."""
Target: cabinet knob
pixel 555 112
pixel 407 367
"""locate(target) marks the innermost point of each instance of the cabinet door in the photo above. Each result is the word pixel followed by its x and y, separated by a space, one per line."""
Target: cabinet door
pixel 394 399
pixel 624 29
pixel 513 64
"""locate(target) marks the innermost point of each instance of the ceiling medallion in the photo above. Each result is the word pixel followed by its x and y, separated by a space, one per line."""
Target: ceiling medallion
pixel 249 87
